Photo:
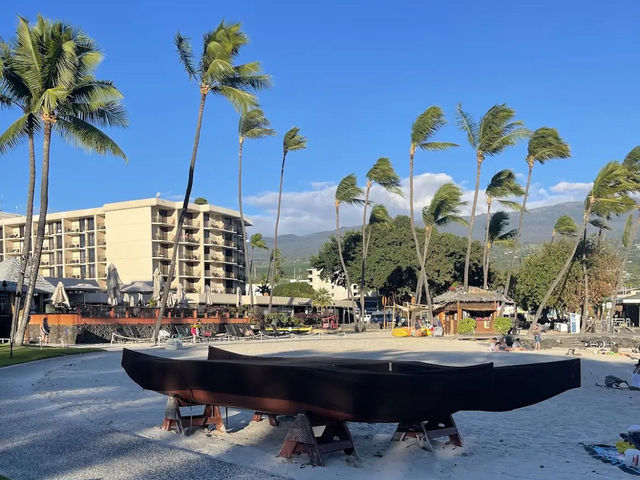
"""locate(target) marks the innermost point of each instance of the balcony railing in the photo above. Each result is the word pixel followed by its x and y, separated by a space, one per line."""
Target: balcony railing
pixel 161 219
pixel 190 257
pixel 189 239
pixel 161 254
pixel 189 272
pixel 163 237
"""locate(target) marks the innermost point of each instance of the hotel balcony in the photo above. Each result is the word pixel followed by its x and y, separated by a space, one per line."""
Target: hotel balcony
pixel 189 257
pixel 162 220
pixel 190 272
pixel 190 240
pixel 163 237
pixel 191 224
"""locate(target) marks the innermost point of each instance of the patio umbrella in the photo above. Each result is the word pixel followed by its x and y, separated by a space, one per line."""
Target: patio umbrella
pixel 138 287
pixel 125 298
pixel 59 297
pixel 171 300
pixel 208 295
pixel 238 297
pixel 114 284
pixel 140 299
pixel 181 298
pixel 158 284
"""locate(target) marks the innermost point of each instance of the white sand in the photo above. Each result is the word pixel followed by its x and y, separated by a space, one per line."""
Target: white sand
pixel 540 441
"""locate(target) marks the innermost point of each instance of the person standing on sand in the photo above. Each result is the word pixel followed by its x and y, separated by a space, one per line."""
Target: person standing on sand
pixel 45 330
pixel 537 336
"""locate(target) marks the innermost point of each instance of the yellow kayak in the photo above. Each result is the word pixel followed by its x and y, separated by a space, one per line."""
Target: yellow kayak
pixel 298 330
pixel 407 332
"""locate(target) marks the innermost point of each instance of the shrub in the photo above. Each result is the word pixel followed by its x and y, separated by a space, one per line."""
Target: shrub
pixel 280 318
pixel 502 325
pixel 294 289
pixel 466 326
pixel 201 201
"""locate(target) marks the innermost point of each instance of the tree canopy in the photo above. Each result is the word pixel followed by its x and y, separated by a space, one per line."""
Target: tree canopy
pixel 294 289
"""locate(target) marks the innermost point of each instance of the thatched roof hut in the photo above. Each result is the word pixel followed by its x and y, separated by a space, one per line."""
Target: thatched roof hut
pixel 476 303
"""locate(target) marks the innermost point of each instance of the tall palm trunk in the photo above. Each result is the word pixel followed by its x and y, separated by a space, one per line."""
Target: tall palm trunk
pixel 567 263
pixel 553 236
pixel 472 220
pixel 181 217
pixel 423 275
pixel 271 272
pixel 487 260
pixel 485 254
pixel 364 250
pixel 585 279
pixel 48 121
pixel 507 284
pixel 244 230
pixel 344 267
pixel 26 246
pixel 618 284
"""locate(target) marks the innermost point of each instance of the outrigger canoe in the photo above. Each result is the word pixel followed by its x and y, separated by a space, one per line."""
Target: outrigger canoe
pixel 513 386
pixel 350 390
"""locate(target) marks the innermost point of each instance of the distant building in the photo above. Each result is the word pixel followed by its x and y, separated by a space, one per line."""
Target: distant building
pixel 338 292
pixel 137 237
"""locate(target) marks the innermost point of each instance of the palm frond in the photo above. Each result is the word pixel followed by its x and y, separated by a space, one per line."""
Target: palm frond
pixel 348 191
pixel 504 184
pixel 240 99
pixel 444 207
pixel 437 145
pixel 613 180
pixel 293 140
pixel 384 175
pixel 258 242
pixel 15 134
pixel 87 137
pixel 599 223
pixel 628 231
pixel 497 224
pixel 566 226
pixel 379 215
pixel 253 124
pixel 426 125
pixel 632 160
pixel 185 55
pixel 511 205
pixel 468 125
pixel 497 130
pixel 546 144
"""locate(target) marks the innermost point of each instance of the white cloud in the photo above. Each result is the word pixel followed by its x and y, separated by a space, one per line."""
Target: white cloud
pixel 569 187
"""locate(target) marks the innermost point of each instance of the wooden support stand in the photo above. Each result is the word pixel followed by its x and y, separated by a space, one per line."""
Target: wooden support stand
pixel 301 439
pixel 273 419
pixel 426 430
pixel 173 417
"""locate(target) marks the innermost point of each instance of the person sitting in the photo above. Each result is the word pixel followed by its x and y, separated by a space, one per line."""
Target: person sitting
pixel 493 347
pixel 502 346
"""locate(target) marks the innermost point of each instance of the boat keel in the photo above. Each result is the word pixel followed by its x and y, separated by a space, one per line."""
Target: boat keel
pixel 427 430
pixel 301 439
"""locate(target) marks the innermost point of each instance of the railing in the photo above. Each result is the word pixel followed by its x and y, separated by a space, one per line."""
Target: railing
pixel 190 257
pixel 229 243
pixel 193 240
pixel 161 219
pixel 161 254
pixel 190 223
pixel 165 237
pixel 188 272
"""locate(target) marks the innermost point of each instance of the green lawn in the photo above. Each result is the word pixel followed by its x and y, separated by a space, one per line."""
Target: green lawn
pixel 29 354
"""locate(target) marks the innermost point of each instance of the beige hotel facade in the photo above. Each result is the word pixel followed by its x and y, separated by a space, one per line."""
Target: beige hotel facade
pixel 137 237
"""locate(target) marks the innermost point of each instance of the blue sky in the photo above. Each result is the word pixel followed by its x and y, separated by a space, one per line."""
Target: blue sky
pixel 353 76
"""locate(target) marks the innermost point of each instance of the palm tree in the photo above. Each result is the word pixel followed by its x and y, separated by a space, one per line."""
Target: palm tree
pixel 496 131
pixel 443 210
pixel 611 188
pixel 545 144
pixel 56 63
pixel 422 130
pixel 15 93
pixel 216 74
pixel 503 185
pixel 384 175
pixel 256 242
pixel 632 162
pixel 348 192
pixel 564 226
pixel 292 141
pixel 322 299
pixel 379 216
pixel 496 235
pixel 252 124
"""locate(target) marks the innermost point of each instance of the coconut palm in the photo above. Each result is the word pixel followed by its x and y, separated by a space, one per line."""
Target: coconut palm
pixel 292 141
pixel 215 73
pixel 545 144
pixel 252 124
pixel 611 188
pixel 444 209
pixel 496 235
pixel 56 63
pixel 15 93
pixel 349 193
pixel 384 175
pixel 379 216
pixel 422 131
pixel 496 131
pixel 503 185
pixel 256 242
pixel 322 299
pixel 564 226
pixel 632 162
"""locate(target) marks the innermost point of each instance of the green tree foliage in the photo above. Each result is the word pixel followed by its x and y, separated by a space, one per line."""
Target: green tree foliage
pixel 467 326
pixel 201 201
pixel 322 299
pixel 502 325
pixel 539 269
pixel 294 289
pixel 393 269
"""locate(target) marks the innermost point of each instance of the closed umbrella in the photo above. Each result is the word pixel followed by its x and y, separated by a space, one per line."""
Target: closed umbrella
pixel 208 295
pixel 171 300
pixel 113 285
pixel 181 298
pixel 59 298
pixel 238 297
pixel 158 284
pixel 140 299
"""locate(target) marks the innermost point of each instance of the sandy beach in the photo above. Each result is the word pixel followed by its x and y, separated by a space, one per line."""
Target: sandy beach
pixel 81 417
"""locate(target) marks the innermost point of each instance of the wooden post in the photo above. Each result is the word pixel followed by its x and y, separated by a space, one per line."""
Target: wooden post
pixel 459 317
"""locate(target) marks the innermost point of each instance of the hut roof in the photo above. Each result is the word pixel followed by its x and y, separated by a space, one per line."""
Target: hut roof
pixel 9 270
pixel 474 294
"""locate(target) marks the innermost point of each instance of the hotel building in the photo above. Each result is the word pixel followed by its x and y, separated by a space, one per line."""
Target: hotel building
pixel 137 237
